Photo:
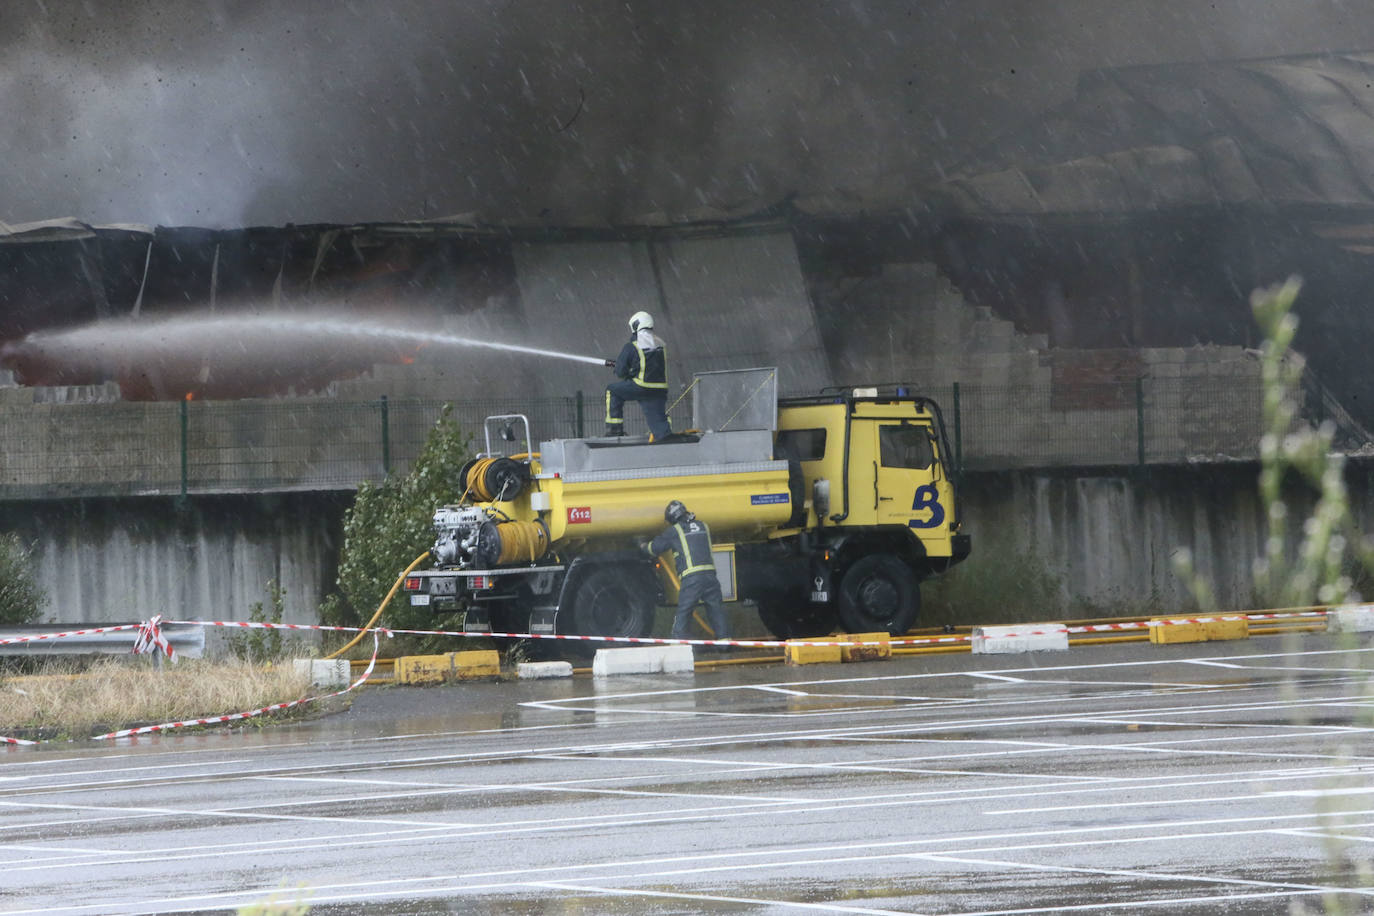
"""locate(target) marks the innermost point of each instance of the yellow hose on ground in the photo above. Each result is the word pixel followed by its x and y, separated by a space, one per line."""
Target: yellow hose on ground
pixel 381 607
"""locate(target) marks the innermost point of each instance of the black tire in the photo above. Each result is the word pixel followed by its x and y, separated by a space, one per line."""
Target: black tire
pixel 879 592
pixel 789 616
pixel 613 600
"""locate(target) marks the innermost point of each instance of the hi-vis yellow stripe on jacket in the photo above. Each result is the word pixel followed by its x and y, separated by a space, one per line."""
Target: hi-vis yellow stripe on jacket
pixel 653 367
pixel 690 542
pixel 647 367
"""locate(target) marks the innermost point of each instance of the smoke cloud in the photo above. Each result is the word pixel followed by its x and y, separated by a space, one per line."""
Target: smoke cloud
pixel 264 112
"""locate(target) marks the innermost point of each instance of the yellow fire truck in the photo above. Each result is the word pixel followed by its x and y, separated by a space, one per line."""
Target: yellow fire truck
pixel 826 511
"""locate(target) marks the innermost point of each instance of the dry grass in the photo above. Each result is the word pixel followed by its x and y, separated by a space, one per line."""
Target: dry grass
pixel 118 693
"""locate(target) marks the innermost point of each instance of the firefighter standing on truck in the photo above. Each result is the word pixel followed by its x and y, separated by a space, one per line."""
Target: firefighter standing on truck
pixel 690 541
pixel 642 375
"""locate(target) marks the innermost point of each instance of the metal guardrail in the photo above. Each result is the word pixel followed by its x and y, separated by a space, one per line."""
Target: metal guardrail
pixel 185 639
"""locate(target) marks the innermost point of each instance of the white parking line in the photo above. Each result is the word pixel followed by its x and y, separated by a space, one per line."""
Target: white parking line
pixel 1276 888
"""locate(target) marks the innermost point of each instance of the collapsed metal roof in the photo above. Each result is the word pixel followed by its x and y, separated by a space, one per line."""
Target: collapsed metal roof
pixel 1290 131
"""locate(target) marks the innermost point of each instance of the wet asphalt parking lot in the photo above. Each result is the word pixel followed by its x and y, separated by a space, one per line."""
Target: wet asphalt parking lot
pixel 1210 778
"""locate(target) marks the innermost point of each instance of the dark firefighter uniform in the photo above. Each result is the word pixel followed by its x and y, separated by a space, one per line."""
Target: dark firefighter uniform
pixel 642 375
pixel 690 542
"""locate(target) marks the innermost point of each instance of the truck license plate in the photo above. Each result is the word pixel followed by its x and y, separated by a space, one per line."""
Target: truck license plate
pixel 419 600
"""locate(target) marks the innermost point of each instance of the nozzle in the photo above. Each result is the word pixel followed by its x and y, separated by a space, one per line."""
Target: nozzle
pixel 610 363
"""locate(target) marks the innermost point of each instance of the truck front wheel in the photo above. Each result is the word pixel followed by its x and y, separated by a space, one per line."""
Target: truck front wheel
pixel 879 592
pixel 790 616
pixel 613 601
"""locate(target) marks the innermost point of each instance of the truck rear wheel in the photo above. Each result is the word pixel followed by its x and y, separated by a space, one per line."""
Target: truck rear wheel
pixel 879 592
pixel 613 601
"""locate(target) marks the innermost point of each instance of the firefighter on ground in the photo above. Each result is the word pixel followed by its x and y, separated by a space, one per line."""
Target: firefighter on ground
pixel 690 541
pixel 641 375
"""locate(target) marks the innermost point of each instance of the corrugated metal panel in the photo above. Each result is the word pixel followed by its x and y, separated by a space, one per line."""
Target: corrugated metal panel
pixel 741 302
pixel 722 303
pixel 1144 138
pixel 576 297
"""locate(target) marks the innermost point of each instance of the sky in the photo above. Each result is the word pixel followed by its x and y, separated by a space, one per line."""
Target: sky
pixel 230 113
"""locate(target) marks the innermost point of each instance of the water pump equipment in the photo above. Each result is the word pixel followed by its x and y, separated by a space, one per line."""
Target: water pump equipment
pixel 483 536
pixel 476 537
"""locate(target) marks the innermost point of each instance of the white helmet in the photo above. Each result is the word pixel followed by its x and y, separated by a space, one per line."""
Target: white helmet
pixel 641 321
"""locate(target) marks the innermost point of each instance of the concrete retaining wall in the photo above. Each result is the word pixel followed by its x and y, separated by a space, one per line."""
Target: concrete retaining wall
pixel 1107 538
pixel 1110 538
pixel 121 560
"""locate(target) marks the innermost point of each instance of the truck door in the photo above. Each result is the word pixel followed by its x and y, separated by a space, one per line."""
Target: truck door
pixel 910 488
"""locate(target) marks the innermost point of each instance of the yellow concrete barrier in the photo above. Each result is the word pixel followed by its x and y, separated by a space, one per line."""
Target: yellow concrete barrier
pixel 795 654
pixel 866 653
pixel 451 666
pixel 1164 630
pixel 424 669
pixel 1228 629
pixel 476 663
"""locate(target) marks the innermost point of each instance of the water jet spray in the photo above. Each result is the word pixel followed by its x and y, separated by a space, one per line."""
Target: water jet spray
pixel 171 357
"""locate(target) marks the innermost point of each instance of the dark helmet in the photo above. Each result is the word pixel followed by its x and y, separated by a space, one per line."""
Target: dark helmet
pixel 676 512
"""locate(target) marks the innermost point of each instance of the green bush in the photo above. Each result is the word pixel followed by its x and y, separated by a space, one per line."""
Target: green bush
pixel 21 601
pixel 258 645
pixel 391 524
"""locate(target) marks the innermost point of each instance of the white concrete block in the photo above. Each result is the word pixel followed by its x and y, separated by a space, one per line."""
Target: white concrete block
pixel 1021 637
pixel 544 669
pixel 325 672
pixel 1350 618
pixel 678 660
pixel 643 660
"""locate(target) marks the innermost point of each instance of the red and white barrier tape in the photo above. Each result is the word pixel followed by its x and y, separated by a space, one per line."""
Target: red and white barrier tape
pixel 770 643
pixel 632 640
pixel 1169 621
pixel 1002 634
pixel 1100 627
pixel 14 640
pixel 151 638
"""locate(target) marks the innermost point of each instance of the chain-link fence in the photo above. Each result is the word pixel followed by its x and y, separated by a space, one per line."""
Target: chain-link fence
pixel 1144 421
pixel 58 450
pixel 116 449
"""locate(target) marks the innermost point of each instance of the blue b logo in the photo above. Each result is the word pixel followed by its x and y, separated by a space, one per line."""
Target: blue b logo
pixel 927 497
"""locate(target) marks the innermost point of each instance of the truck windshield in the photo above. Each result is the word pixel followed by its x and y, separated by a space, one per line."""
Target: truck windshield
pixel 905 447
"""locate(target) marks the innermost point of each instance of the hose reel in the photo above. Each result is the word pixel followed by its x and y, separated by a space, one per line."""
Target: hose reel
pixel 494 479
pixel 504 543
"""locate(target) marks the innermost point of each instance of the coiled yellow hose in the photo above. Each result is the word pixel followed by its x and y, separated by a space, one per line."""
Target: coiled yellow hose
pixel 522 540
pixel 475 483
